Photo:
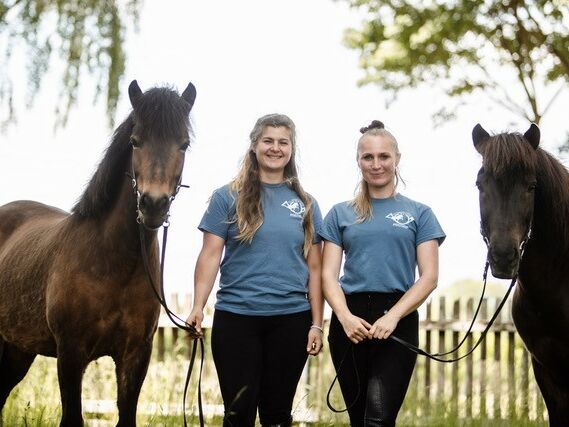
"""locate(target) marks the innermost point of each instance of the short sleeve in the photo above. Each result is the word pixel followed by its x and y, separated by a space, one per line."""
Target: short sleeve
pixel 217 217
pixel 429 228
pixel 317 221
pixel 330 229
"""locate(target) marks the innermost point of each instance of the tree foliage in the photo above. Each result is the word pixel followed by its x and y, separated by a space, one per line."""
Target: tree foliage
pixel 86 35
pixel 467 46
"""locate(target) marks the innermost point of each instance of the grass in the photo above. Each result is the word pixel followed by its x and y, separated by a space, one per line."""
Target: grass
pixel 35 401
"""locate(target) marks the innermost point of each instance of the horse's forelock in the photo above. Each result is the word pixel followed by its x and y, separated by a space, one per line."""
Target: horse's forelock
pixel 162 113
pixel 508 155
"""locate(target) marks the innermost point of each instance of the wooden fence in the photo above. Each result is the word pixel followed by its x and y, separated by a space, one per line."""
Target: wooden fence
pixel 495 382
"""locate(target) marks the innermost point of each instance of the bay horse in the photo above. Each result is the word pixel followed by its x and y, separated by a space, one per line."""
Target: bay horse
pixel 524 210
pixel 73 286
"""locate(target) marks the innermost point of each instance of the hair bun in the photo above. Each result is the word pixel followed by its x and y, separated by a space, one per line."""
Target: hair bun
pixel 375 124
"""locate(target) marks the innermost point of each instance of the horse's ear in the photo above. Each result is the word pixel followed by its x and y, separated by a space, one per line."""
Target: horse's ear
pixel 134 93
pixel 189 94
pixel 479 135
pixel 532 135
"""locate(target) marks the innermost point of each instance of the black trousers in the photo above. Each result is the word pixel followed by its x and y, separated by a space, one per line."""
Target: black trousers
pixel 259 361
pixel 374 374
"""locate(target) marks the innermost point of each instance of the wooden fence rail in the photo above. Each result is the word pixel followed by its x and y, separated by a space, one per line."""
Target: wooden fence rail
pixel 495 382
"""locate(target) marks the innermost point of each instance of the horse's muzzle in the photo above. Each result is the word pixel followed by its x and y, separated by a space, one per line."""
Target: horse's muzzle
pixel 153 211
pixel 504 261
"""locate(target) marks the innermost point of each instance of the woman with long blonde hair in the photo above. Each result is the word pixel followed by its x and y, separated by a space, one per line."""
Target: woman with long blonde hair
pixel 384 236
pixel 268 313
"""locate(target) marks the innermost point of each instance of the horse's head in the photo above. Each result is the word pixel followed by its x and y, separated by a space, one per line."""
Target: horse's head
pixel 506 182
pixel 159 139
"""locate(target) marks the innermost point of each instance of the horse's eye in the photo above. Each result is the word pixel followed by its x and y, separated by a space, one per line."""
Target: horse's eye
pixel 478 185
pixel 134 142
pixel 185 146
pixel 532 186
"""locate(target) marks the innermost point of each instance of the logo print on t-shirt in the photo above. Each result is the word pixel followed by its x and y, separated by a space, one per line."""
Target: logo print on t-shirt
pixel 295 206
pixel 400 219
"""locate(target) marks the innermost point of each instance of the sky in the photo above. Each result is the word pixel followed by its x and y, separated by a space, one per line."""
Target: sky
pixel 248 59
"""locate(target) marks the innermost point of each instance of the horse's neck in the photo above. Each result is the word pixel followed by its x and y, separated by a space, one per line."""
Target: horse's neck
pixel 545 260
pixel 120 229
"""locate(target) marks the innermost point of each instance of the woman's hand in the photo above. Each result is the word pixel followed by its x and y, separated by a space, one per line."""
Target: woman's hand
pixel 314 341
pixel 356 328
pixel 384 326
pixel 195 319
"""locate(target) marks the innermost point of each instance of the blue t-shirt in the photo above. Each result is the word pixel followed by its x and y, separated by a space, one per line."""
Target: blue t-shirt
pixel 269 276
pixel 381 253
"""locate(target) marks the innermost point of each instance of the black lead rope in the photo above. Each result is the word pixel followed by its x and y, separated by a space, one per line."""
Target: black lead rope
pixel 433 356
pixel 351 347
pixel 176 320
pixel 421 352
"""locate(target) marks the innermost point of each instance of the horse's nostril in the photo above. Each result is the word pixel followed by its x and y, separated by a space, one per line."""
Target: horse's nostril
pixel 151 204
pixel 504 254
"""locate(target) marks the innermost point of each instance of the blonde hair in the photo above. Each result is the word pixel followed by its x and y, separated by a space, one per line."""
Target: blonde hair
pixel 362 199
pixel 247 185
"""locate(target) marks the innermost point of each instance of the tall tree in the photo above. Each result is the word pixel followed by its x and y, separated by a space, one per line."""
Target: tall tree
pixel 467 46
pixel 86 35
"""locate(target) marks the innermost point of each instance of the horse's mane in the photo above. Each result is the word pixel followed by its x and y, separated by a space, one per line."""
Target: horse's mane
pixel 508 156
pixel 162 114
pixel 552 196
pixel 164 111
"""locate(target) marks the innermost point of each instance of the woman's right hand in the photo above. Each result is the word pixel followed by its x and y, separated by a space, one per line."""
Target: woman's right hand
pixel 356 328
pixel 195 319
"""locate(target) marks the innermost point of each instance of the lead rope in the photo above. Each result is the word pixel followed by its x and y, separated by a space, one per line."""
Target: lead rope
pixel 421 352
pixel 180 323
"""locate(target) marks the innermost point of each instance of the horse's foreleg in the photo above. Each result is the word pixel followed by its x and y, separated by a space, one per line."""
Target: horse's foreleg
pixel 131 367
pixel 555 392
pixel 14 364
pixel 70 368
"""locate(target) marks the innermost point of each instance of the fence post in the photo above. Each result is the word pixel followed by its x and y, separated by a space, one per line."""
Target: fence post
pixel 174 307
pixel 483 360
pixel 511 372
pixel 524 409
pixel 496 404
pixel 160 344
pixel 427 360
pixel 442 335
pixel 455 337
pixel 469 363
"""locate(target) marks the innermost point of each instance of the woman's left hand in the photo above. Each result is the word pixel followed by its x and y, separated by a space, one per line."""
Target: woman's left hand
pixel 314 341
pixel 384 326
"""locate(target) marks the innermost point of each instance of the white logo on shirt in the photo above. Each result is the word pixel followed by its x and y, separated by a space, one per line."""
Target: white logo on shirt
pixel 400 219
pixel 295 206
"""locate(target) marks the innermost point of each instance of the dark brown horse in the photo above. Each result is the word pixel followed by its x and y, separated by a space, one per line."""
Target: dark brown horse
pixel 73 286
pixel 524 197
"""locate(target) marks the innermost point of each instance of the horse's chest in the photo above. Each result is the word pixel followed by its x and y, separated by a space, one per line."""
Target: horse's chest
pixel 104 316
pixel 542 322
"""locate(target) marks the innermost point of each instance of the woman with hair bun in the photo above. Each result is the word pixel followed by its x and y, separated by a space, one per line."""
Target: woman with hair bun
pixel 268 313
pixel 383 236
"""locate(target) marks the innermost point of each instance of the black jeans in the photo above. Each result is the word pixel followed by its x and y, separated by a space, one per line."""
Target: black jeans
pixel 375 374
pixel 259 361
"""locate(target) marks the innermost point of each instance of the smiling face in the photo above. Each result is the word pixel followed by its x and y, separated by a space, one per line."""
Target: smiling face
pixel 378 159
pixel 273 150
